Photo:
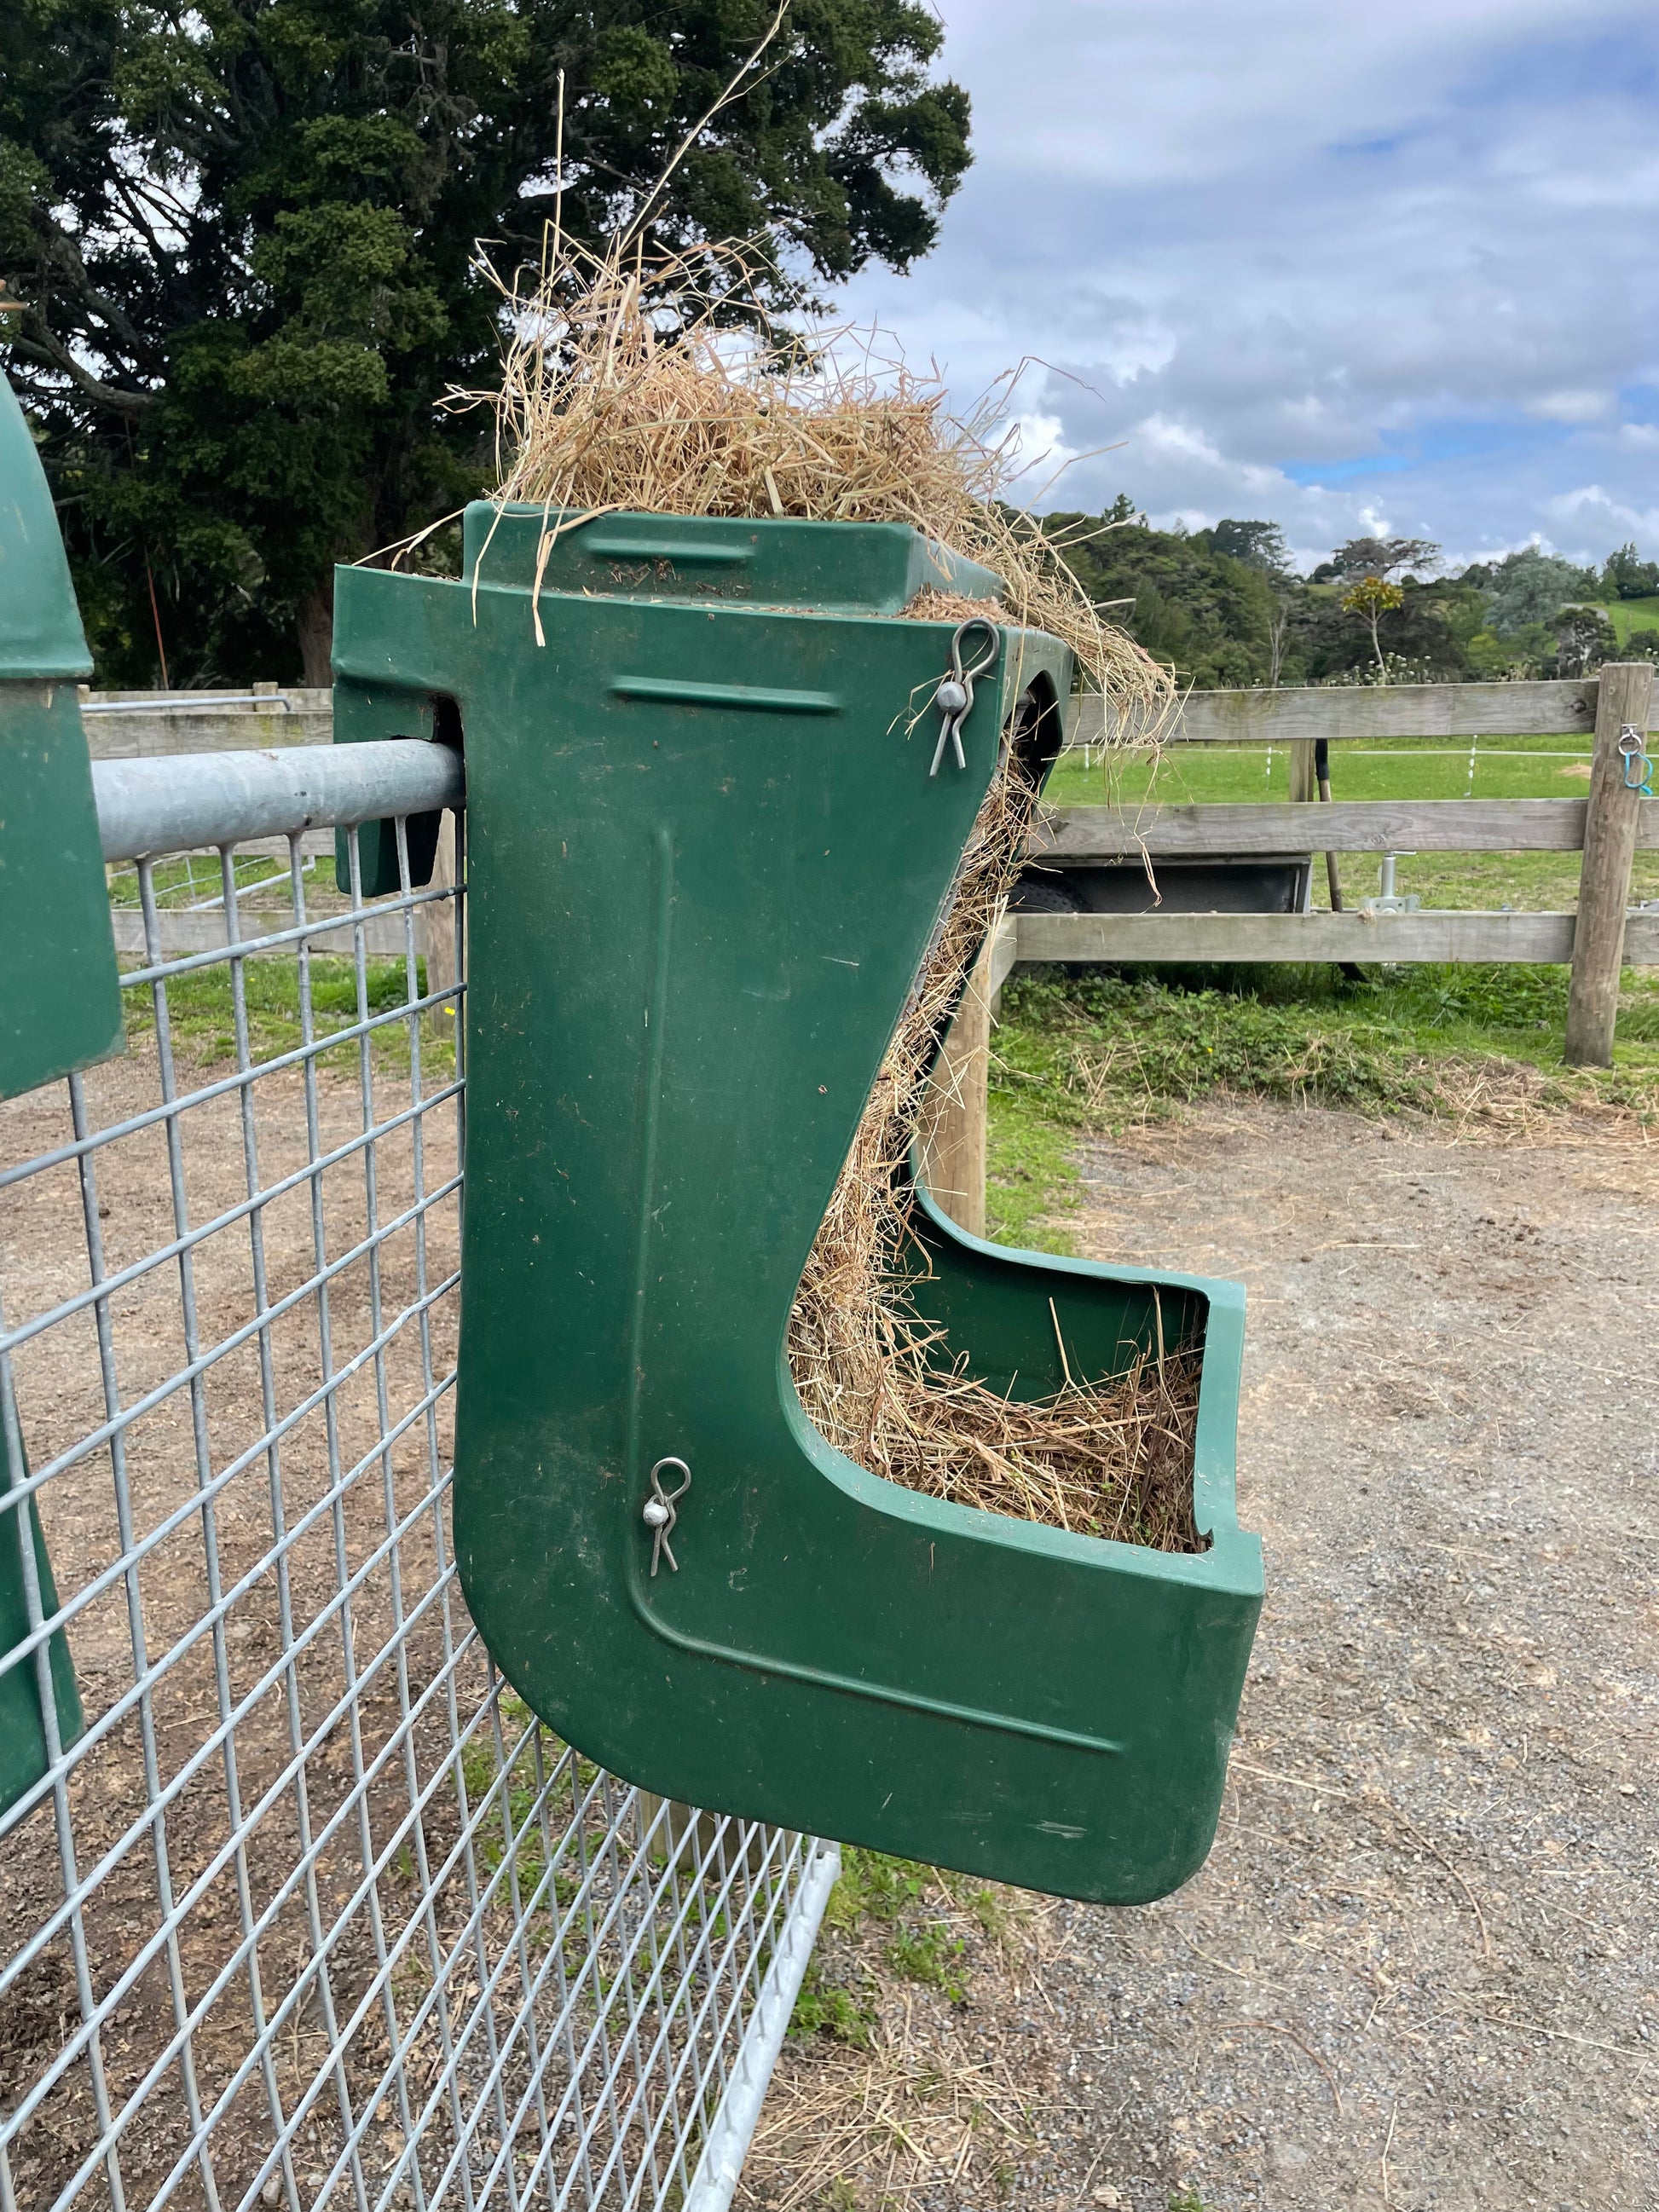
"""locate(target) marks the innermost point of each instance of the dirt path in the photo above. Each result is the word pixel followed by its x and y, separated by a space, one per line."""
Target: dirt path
pixel 1419 1968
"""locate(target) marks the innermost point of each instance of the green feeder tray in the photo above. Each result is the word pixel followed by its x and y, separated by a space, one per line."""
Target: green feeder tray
pixel 706 857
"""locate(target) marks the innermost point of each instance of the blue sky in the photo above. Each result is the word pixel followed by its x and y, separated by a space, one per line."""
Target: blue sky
pixel 1349 267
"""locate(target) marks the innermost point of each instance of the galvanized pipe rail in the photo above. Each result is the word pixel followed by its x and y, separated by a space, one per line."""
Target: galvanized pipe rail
pixel 185 803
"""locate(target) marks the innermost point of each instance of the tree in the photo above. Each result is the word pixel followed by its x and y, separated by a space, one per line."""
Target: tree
pixel 1279 625
pixel 1373 596
pixel 1626 575
pixel 1258 544
pixel 1584 638
pixel 245 238
pixel 1531 586
pixel 1382 556
pixel 1206 613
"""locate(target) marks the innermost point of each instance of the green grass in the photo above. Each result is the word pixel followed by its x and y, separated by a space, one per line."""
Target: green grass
pixel 828 2008
pixel 886 1898
pixel 1513 768
pixel 1370 767
pixel 1633 614
pixel 1077 1056
pixel 479 1770
pixel 201 1014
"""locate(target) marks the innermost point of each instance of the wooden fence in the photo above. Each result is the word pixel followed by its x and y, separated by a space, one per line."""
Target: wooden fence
pixel 1608 827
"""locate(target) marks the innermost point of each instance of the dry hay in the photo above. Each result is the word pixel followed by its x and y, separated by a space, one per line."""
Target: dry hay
pixel 1112 1458
pixel 624 392
pixel 627 390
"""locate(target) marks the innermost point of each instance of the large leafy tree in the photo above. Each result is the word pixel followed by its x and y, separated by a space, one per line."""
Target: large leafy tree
pixel 1379 557
pixel 1208 612
pixel 1532 586
pixel 243 233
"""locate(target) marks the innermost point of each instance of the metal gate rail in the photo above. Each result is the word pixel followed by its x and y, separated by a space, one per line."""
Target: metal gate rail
pixel 305 1907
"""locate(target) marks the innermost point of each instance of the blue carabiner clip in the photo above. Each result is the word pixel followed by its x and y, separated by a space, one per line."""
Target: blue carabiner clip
pixel 1639 768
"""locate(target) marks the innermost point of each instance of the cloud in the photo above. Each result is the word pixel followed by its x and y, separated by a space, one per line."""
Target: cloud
pixel 1313 264
pixel 1591 512
pixel 1573 406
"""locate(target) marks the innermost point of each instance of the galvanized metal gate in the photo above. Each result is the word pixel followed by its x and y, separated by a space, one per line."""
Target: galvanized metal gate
pixel 312 1910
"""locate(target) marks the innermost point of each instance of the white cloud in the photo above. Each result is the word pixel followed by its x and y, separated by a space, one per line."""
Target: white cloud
pixel 1592 513
pixel 1572 406
pixel 1178 442
pixel 1038 456
pixel 1309 262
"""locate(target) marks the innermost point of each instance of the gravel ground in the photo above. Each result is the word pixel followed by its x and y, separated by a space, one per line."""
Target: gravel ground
pixel 1420 1967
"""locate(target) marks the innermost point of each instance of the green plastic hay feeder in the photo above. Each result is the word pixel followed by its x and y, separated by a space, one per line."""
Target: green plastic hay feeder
pixel 706 861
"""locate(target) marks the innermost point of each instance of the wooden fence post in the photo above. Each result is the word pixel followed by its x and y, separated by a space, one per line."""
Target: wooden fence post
pixel 435 925
pixel 953 1116
pixel 1610 822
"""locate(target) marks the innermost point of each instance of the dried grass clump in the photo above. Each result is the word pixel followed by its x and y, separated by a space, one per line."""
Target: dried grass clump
pixel 625 391
pixel 623 394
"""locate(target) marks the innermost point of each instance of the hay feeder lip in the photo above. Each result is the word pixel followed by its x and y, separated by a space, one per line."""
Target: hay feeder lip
pixel 706 860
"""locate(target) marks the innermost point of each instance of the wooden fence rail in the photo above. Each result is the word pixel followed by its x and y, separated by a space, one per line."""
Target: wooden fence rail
pixel 148 725
pixel 1346 825
pixel 128 725
pixel 1344 712
pixel 1449 934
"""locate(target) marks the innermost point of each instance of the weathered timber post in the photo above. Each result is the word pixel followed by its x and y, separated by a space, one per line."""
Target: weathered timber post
pixel 953 1121
pixel 1610 820
pixel 436 925
pixel 1304 782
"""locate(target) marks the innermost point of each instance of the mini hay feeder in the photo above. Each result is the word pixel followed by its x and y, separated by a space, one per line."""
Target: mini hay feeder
pixel 707 860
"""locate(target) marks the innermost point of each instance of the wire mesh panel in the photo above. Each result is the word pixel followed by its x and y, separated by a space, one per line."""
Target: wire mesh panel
pixel 302 1906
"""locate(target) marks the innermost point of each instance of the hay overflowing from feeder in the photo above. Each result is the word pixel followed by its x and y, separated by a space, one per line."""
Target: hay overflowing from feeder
pixel 622 392
pixel 626 390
